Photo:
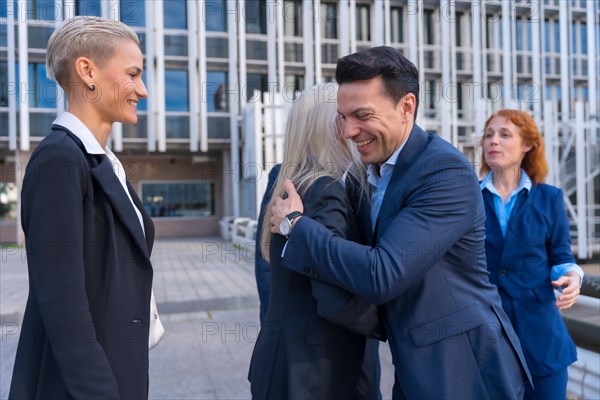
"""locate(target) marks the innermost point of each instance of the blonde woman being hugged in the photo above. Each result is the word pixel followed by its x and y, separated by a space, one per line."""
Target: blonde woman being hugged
pixel 86 327
pixel 312 342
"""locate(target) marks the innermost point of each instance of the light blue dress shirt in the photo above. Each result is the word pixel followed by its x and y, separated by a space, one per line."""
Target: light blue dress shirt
pixel 380 180
pixel 503 211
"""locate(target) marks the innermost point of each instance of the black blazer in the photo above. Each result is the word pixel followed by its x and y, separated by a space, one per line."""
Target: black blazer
pixel 85 328
pixel 302 350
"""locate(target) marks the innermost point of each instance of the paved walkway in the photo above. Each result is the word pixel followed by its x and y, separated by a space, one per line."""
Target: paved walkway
pixel 207 300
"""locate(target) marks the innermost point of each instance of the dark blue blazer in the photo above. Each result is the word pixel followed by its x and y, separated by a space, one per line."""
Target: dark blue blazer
pixel 312 342
pixel 537 238
pixel 85 327
pixel 262 268
pixel 448 333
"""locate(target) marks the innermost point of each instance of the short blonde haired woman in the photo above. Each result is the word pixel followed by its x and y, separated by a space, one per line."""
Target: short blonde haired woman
pixel 85 331
pixel 312 342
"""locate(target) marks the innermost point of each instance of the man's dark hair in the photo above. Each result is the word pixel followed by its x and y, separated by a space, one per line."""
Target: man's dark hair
pixel 399 75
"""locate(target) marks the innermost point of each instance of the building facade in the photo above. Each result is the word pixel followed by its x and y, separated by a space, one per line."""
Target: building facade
pixel 209 64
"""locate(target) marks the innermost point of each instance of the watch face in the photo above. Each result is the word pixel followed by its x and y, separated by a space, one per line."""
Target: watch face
pixel 284 226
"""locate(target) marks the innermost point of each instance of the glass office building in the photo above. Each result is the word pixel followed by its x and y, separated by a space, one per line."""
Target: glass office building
pixel 205 60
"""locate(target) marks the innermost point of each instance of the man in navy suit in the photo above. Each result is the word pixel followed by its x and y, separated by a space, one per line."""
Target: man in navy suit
pixel 423 258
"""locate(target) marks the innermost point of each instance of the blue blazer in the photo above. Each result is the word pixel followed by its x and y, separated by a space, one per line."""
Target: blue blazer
pixel 428 270
pixel 262 268
pixel 537 237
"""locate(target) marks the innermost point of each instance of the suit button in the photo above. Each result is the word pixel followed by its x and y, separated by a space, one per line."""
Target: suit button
pixel 308 271
pixel 503 272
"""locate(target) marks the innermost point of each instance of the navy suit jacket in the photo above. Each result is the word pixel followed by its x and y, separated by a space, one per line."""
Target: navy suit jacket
pixel 262 268
pixel 448 333
pixel 312 342
pixel 85 327
pixel 537 238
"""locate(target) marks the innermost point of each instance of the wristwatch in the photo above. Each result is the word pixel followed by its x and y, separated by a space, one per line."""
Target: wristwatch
pixel 285 225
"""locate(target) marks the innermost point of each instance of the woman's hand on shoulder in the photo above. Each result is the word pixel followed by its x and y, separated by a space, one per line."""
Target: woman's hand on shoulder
pixel 570 283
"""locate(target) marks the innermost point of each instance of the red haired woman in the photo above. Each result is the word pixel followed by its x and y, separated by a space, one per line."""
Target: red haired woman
pixel 528 247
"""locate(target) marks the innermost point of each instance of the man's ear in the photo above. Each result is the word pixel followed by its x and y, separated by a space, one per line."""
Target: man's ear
pixel 85 70
pixel 409 104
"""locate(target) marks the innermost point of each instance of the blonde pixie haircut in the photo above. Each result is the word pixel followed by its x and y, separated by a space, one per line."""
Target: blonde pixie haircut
pixel 313 148
pixel 83 36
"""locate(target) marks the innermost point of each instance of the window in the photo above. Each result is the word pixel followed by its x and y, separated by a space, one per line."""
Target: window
pixel 4 86
pixel 429 27
pixel 3 33
pixel 255 82
pixel 329 21
pixel 255 15
pixel 4 9
pixel 175 14
pixel 88 7
pixel 133 12
pixel 216 91
pixel 292 17
pixel 216 16
pixel 363 23
pixel 397 25
pixel 40 92
pixel 40 10
pixel 293 84
pixel 176 82
pixel 178 199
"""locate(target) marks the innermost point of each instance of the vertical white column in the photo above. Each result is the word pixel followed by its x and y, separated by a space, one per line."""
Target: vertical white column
pixel 63 13
pixel 479 108
pixel 453 79
pixel 194 17
pixel 233 15
pixel 537 23
pixel 151 76
pixel 387 19
pixel 592 73
pixel 352 26
pixel 307 26
pixel 202 76
pixel 317 47
pixel 159 43
pixel 272 17
pixel 377 27
pixel 419 55
pixel 344 28
pixel 445 105
pixel 241 81
pixel 565 66
pixel 110 10
pixel 580 156
pixel 12 75
pixel 23 77
pixel 411 11
pixel 280 48
pixel 507 80
pixel 550 141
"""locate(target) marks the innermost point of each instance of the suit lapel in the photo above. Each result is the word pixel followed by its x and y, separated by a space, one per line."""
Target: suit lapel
pixel 107 180
pixel 519 209
pixel 492 224
pixel 148 224
pixel 393 200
